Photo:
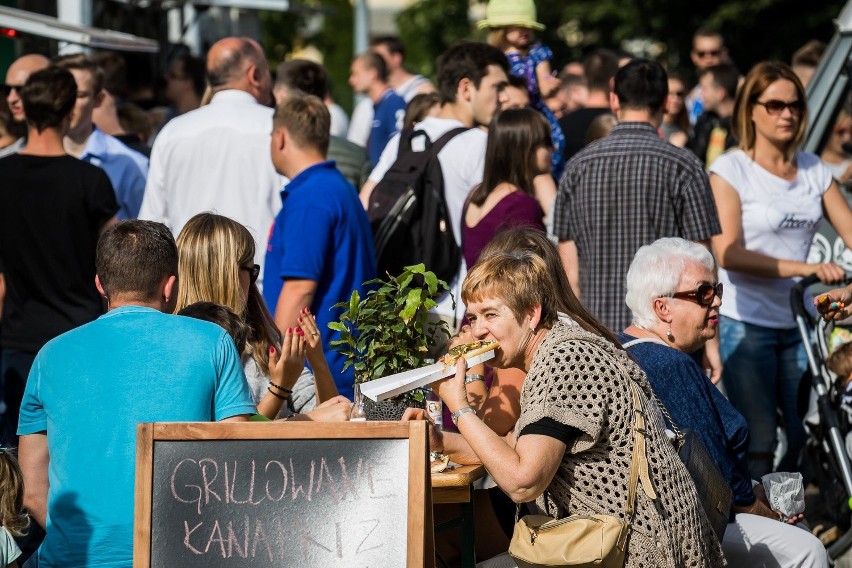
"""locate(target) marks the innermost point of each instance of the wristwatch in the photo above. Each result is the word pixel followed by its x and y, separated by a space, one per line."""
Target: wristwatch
pixel 461 411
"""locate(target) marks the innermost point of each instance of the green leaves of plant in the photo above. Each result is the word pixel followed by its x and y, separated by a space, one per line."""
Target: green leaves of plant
pixel 412 303
pixel 388 330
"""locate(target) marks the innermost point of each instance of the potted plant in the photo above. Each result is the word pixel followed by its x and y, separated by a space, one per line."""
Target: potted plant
pixel 388 331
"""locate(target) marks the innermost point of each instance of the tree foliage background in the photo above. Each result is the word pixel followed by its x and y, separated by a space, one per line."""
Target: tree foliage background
pixel 754 30
pixel 325 24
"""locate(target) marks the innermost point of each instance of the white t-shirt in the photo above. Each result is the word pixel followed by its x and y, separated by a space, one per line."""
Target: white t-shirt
pixel 9 551
pixel 361 122
pixel 462 163
pixel 408 90
pixel 779 219
pixel 339 121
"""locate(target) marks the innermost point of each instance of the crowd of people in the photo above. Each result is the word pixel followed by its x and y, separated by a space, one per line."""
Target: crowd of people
pixel 185 266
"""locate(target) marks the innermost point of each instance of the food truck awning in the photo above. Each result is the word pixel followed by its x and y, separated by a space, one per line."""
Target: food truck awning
pixel 50 27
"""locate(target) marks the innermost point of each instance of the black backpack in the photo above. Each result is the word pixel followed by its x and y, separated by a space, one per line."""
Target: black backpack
pixel 408 211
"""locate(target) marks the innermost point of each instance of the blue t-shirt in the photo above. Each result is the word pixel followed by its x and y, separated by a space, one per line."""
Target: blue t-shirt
pixel 89 388
pixel 387 121
pixel 321 234
pixel 694 402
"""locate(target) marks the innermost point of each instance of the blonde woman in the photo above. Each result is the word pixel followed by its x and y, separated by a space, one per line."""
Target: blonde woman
pixel 574 438
pixel 771 198
pixel 216 265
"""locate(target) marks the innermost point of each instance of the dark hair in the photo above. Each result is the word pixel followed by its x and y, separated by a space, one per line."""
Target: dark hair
pixel 681 120
pixel 374 61
pixel 306 119
pixel 196 70
pixel 642 84
pixel 418 108
pixel 528 239
pixel 135 120
pixel 229 66
pixel 304 76
pixel 708 32
pixel 599 67
pixel 466 60
pixel 725 75
pixel 222 316
pixel 114 70
pixel 81 62
pixel 391 42
pixel 48 97
pixel 514 135
pixel 133 257
pixel 517 81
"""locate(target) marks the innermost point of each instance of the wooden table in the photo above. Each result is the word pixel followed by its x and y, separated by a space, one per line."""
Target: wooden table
pixel 456 486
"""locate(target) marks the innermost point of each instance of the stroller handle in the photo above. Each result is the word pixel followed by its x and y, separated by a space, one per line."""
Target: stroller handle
pixel 797 296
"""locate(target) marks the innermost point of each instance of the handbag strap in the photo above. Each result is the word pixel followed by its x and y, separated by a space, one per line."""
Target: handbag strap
pixel 639 460
pixel 639 471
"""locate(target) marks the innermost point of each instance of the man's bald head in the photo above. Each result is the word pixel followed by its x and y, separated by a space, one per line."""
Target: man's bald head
pixel 229 58
pixel 16 76
pixel 239 63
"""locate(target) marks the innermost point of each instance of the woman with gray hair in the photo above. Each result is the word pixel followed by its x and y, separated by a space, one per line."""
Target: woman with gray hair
pixel 674 297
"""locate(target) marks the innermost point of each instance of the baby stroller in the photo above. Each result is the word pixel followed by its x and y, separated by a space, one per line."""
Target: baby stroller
pixel 826 422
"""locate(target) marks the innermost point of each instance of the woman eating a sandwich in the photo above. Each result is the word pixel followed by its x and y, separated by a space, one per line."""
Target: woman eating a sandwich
pixel 585 438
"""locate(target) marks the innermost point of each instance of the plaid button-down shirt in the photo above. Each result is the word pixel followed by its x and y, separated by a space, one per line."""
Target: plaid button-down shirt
pixel 619 193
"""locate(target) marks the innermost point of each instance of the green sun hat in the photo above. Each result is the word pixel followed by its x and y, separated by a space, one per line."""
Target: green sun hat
pixel 501 13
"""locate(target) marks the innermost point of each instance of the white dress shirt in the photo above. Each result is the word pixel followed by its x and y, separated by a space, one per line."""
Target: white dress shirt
pixel 216 158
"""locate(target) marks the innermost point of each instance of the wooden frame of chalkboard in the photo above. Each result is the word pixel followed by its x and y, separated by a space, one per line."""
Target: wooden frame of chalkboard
pixel 171 448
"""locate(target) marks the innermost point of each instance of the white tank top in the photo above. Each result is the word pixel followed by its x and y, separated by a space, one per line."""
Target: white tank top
pixel 779 219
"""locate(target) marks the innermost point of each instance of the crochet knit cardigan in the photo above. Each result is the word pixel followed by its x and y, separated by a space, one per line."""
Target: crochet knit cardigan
pixel 578 379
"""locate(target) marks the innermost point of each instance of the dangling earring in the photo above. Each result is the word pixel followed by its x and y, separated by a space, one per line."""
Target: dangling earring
pixel 669 335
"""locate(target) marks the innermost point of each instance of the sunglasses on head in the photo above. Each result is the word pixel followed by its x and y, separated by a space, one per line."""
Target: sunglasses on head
pixel 703 295
pixel 253 270
pixel 775 107
pixel 711 52
pixel 7 89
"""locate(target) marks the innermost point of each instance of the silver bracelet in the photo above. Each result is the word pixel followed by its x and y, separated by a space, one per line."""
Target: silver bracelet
pixel 471 377
pixel 457 414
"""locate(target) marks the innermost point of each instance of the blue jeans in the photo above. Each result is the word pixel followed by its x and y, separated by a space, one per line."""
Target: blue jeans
pixel 762 369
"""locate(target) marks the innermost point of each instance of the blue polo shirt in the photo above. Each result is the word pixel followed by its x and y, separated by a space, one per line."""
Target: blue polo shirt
pixel 388 114
pixel 127 170
pixel 321 234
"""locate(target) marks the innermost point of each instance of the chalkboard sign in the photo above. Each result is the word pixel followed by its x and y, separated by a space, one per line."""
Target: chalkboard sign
pixel 282 494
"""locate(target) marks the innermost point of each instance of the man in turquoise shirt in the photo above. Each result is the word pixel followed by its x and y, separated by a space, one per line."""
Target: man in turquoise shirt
pixel 90 387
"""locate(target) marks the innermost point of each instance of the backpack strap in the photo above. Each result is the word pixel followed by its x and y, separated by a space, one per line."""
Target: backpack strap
pixel 439 144
pixel 406 135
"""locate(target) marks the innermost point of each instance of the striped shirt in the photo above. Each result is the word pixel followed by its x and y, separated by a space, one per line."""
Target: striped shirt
pixel 619 193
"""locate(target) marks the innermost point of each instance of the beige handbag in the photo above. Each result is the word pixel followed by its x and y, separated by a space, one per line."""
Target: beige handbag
pixel 585 539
